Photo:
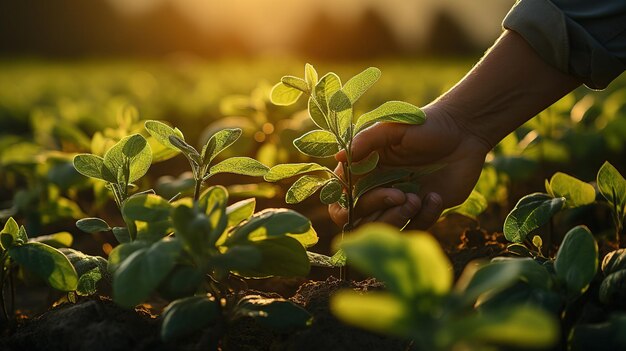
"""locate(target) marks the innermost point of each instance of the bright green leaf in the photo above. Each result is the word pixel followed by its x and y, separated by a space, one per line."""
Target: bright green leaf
pixel 576 192
pixel 281 256
pixel 317 143
pixel 391 111
pixel 380 312
pixel 219 142
pixel 162 133
pixel 89 165
pixel 612 186
pixel 327 86
pixel 240 165
pixel 473 206
pixel 87 283
pixel 46 262
pixel 131 155
pixel 357 85
pixel 146 208
pixel 240 211
pixel 272 222
pixel 409 263
pixel 296 83
pixel 341 114
pixel 304 187
pixel 56 240
pixel 287 170
pixel 284 95
pixel 310 76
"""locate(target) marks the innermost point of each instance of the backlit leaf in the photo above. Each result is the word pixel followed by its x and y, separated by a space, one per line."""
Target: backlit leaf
pixel 576 192
pixel 358 309
pixel 327 86
pixel 331 192
pixel 392 111
pixel 296 83
pixel 132 154
pixel 240 211
pixel 281 256
pixel 240 165
pixel 357 85
pixel 284 95
pixel 92 225
pixel 317 143
pixel 46 262
pixel 310 76
pixel 219 142
pixel 287 170
pixel 341 114
pixel 378 178
pixel 472 207
pixel 272 222
pixel 612 185
pixel 146 208
pixel 89 165
pixel 162 132
pixel 304 187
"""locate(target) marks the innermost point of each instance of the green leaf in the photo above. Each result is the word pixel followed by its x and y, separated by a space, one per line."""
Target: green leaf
pixel 612 289
pixel 341 106
pixel 287 170
pixel 304 187
pixel 162 133
pixel 377 178
pixel 531 212
pixel 92 225
pixel 614 261
pixel 391 111
pixel 380 312
pixel 46 262
pixel 472 207
pixel 56 240
pixel 366 165
pixel 12 230
pixel 328 85
pixel 339 259
pixel 310 76
pixel 576 192
pixel 240 165
pixel 146 208
pixel 272 222
pixel 277 314
pixel 189 151
pixel 121 234
pixel 307 239
pixel 238 258
pixel 131 155
pixel 89 165
pixel 121 252
pixel 522 327
pixel 240 211
pixel 359 84
pixel 213 197
pixel 219 142
pixel 193 227
pixel 576 261
pixel 410 264
pixel 612 186
pixel 284 95
pixel 331 192
pixel 296 83
pixel 317 143
pixel 281 256
pixel 141 272
pixel 87 283
pixel 185 316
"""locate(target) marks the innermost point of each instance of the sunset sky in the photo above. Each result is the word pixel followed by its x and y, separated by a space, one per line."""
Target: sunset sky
pixel 267 24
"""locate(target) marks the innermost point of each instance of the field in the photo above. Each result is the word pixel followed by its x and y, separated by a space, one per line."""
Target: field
pixel 564 164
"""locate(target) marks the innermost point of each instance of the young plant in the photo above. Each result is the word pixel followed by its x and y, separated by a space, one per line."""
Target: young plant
pixel 36 256
pixel 421 303
pixel 200 162
pixel 612 186
pixel 331 106
pixel 189 250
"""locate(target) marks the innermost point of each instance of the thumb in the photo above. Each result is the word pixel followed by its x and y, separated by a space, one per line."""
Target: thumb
pixel 376 137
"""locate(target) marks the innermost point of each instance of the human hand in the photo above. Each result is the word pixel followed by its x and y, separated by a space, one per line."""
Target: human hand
pixel 441 140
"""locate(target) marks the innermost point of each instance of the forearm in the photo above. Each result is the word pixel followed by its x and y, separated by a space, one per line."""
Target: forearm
pixel 509 85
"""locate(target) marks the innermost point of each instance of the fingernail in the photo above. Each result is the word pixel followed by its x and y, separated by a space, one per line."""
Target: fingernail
pixel 433 199
pixel 389 201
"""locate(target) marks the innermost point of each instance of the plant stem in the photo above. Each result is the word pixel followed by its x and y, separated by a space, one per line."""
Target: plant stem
pixel 2 304
pixel 196 191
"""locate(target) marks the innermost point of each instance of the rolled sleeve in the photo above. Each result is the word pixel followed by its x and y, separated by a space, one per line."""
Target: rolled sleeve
pixel 586 39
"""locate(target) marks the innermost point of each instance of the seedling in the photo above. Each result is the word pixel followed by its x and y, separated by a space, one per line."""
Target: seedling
pixel 420 302
pixel 36 256
pixel 612 186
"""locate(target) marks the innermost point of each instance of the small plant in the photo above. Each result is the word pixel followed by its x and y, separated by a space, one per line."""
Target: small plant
pixel 612 186
pixel 420 302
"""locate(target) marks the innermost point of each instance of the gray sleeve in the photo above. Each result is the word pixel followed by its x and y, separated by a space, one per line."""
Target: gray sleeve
pixel 584 38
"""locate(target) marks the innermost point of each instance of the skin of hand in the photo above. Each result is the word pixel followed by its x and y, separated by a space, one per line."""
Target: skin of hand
pixel 509 85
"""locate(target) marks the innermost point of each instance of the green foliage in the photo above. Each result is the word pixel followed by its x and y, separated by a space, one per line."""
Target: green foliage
pixel 277 314
pixel 473 206
pixel 612 186
pixel 330 107
pixel 576 193
pixel 187 315
pixel 577 260
pixel 530 212
pixel 420 302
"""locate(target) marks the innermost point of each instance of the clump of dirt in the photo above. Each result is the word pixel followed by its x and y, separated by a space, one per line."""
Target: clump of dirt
pixel 327 332
pixel 475 244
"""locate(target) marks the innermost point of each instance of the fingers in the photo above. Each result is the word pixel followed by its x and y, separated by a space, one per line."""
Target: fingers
pixel 398 216
pixel 431 209
pixel 373 138
pixel 370 206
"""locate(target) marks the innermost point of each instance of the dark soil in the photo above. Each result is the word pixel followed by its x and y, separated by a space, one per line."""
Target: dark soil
pixel 475 244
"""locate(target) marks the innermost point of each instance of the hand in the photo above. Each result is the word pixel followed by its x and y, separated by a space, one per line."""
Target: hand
pixel 441 141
